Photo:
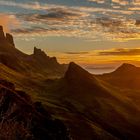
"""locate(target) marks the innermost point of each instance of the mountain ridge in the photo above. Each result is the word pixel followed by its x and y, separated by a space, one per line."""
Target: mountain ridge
pixel 38 62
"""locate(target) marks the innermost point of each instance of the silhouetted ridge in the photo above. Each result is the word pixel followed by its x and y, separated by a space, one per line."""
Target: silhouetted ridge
pixel 38 62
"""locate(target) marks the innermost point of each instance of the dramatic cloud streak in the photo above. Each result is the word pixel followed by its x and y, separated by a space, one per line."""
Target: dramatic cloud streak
pixel 121 52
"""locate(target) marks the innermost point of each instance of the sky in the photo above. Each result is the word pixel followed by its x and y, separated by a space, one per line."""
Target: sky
pixel 93 33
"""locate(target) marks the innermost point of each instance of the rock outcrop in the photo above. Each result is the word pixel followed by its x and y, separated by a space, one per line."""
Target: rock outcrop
pixel 5 40
pixel 39 53
pixel 2 36
pixel 22 119
pixel 44 60
pixel 38 62
pixel 9 39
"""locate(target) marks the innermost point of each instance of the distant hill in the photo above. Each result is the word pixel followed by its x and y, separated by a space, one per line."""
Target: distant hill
pixel 126 76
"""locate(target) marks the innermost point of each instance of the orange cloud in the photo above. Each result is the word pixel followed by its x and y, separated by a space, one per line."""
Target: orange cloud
pixel 8 22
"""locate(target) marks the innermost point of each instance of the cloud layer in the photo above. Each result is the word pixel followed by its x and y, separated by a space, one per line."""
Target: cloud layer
pixel 8 22
pixel 117 20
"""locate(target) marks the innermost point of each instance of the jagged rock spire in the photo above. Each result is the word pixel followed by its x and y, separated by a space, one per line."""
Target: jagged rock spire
pixel 9 39
pixel 2 37
pixel 39 52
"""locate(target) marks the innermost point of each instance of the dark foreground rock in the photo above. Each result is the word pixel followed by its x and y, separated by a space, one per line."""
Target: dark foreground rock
pixel 22 119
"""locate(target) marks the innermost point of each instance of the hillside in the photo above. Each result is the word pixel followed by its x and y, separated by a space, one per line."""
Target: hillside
pixel 98 104
pixel 126 76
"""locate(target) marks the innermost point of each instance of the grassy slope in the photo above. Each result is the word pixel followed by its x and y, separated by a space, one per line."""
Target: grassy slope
pixel 47 93
pixel 100 113
pixel 127 79
pixel 100 103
